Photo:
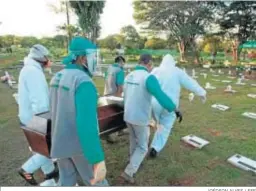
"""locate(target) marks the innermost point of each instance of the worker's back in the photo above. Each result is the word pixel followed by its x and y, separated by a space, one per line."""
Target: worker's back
pixel 65 140
pixel 32 90
pixel 111 77
pixel 136 97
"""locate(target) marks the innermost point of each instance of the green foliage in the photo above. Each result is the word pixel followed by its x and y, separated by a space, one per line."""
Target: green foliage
pixel 183 21
pixel 156 43
pixel 88 13
pixel 132 38
pixel 239 20
pixel 57 53
pixel 211 44
pixel 111 42
pixel 57 41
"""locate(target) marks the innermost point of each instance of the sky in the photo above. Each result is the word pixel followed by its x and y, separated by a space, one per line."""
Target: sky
pixel 36 18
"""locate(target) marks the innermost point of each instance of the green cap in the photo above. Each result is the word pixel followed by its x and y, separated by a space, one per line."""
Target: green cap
pixel 79 46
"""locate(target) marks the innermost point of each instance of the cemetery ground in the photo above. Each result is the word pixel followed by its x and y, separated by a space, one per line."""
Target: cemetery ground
pixel 178 164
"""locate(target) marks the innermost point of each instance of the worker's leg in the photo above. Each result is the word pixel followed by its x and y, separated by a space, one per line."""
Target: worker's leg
pixel 85 170
pixel 68 172
pixel 162 134
pixel 132 138
pixel 142 136
pixel 37 161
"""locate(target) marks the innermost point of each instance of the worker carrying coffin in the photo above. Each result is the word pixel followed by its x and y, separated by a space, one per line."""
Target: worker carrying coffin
pixel 114 86
pixel 139 88
pixel 75 131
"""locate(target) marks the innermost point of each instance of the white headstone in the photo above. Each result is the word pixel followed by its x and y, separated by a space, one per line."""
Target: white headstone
pixel 250 115
pixel 239 81
pixel 215 80
pixel 184 69
pixel 251 95
pixel 191 97
pixel 253 85
pixel 195 141
pixel 220 107
pixel 226 81
pixel 205 76
pixel 215 75
pixel 229 88
pixel 208 86
pixel 15 95
pixel 193 73
pixel 229 72
pixel 243 163
pixel 219 71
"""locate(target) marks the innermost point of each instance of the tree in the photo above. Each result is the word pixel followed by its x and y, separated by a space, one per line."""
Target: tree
pixel 184 20
pixel 211 44
pixel 88 13
pixel 155 43
pixel 132 38
pixel 239 23
pixel 111 42
pixel 63 7
pixel 28 41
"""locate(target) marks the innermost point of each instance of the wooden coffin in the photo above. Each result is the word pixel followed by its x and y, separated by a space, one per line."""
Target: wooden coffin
pixel 38 134
pixel 38 131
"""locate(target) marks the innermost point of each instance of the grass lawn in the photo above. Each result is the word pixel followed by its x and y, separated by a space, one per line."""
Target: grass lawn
pixel 178 164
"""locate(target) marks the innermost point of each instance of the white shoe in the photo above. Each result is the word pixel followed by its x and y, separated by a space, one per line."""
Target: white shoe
pixel 50 182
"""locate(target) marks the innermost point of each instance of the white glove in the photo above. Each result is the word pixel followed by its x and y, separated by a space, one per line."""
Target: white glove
pixel 203 98
pixel 99 172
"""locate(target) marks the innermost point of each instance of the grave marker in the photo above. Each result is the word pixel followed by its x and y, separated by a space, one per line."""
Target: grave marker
pixel 226 81
pixel 195 141
pixel 243 163
pixel 220 107
pixel 208 86
pixel 251 95
pixel 229 89
pixel 191 97
pixel 249 115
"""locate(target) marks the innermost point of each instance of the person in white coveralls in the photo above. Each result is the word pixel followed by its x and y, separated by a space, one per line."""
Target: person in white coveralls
pixel 171 79
pixel 33 98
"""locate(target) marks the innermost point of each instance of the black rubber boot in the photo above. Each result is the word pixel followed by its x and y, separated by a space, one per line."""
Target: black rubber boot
pixel 54 174
pixel 153 153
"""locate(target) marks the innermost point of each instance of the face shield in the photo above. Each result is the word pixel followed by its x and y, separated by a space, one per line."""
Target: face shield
pixel 91 57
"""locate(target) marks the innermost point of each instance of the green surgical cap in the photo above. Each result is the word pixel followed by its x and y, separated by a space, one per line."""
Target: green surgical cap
pixel 79 46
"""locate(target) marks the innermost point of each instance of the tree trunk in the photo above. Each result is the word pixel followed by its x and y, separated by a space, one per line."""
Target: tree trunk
pixel 235 53
pixel 68 22
pixel 181 47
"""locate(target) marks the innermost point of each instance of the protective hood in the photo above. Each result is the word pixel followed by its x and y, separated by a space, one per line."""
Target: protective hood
pixel 39 53
pixel 167 62
pixel 80 46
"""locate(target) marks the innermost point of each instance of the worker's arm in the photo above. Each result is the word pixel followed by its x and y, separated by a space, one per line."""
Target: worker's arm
pixel 154 88
pixel 38 91
pixel 119 82
pixel 190 84
pixel 87 122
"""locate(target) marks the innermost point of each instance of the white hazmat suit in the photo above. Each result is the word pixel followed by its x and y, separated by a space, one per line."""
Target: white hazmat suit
pixel 171 78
